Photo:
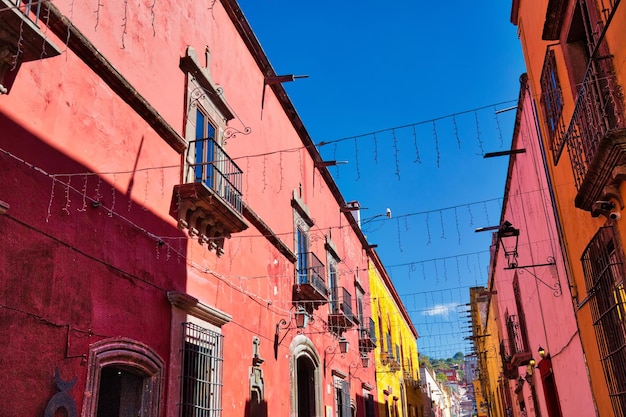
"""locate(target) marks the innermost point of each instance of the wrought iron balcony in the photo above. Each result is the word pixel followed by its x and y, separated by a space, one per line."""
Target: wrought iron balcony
pixel 310 282
pixel 367 335
pixel 20 38
pixel 509 370
pixel 340 316
pixel 596 137
pixel 520 354
pixel 210 204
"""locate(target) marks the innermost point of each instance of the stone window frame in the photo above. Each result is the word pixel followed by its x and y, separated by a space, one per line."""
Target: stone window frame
pixel 204 95
pixel 332 262
pixel 301 221
pixel 188 309
pixel 130 354
pixel 204 346
pixel 302 346
pixel 341 385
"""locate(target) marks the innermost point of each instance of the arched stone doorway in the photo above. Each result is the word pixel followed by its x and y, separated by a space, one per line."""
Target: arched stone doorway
pixel 306 379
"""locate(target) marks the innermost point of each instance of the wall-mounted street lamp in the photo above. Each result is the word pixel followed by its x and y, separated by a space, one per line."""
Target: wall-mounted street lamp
pixel 343 345
pixel 509 238
pixel 301 319
pixel 365 363
pixel 365 360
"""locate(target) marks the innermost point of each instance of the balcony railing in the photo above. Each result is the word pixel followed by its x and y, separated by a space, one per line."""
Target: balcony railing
pixel 341 301
pixel 219 172
pixel 510 371
pixel 209 203
pixel 310 279
pixel 21 40
pixel 520 354
pixel 410 379
pixel 29 8
pixel 367 335
pixel 341 315
pixel 311 271
pixel 597 112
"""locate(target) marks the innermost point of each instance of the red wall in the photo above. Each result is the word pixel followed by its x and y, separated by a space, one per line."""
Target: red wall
pixel 99 272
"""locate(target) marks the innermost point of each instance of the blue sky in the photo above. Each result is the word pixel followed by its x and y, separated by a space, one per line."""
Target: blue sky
pixel 409 94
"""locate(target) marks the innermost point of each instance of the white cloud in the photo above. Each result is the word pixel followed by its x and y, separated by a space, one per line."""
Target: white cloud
pixel 439 310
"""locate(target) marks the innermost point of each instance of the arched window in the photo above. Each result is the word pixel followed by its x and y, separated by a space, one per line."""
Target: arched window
pixel 124 378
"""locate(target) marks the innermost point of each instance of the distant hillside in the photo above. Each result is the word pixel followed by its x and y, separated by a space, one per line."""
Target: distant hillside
pixel 438 364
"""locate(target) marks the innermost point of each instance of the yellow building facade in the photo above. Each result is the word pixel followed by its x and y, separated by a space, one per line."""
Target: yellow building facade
pixel 396 356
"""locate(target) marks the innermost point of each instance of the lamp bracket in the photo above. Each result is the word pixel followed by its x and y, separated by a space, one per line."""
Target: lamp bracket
pixel 282 325
pixel 556 288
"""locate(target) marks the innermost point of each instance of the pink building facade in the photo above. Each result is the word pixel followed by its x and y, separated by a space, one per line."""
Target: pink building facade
pixel 173 243
pixel 543 363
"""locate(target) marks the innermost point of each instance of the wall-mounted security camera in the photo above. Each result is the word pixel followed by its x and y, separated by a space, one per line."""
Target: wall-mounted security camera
pixel 606 208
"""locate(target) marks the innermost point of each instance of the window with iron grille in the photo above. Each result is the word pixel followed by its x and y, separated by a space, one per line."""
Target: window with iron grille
pixel 552 104
pixel 201 372
pixel 342 398
pixel 603 266
pixel 522 345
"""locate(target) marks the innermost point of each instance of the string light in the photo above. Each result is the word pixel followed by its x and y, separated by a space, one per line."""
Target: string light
pixel 97 13
pixel 124 23
pixel 152 17
pixel 418 160
pixel 495 115
pixel 480 142
pixel 45 35
pixel 67 39
pixel 456 131
pixel 20 42
pixel 396 151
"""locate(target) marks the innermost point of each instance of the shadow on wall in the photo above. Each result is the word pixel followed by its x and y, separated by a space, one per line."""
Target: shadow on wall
pixel 256 408
pixel 79 263
pixel 365 404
